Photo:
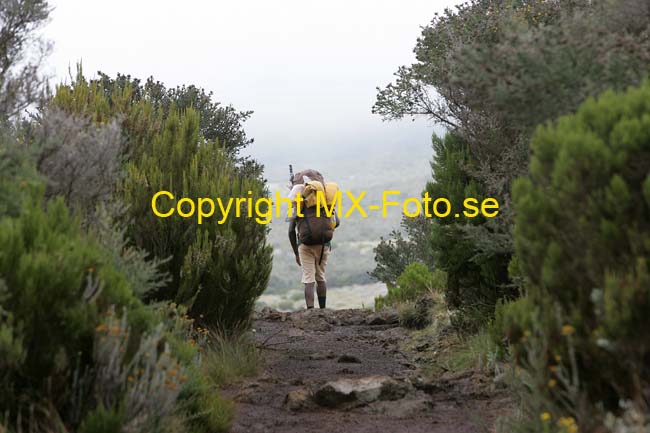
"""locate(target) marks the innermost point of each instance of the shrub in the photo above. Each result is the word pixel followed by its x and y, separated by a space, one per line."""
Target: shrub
pixel 513 322
pixel 144 272
pixel 470 251
pixel 218 270
pixel 416 281
pixel 55 275
pixel 63 361
pixel 17 173
pixel 583 244
pixel 143 107
pixel 143 382
pixel 411 244
pixel 82 161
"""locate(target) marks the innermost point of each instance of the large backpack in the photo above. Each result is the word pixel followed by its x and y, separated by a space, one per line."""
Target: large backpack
pixel 313 229
pixel 312 174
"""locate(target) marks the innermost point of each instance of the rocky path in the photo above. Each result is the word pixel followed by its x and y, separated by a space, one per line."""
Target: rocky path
pixel 343 371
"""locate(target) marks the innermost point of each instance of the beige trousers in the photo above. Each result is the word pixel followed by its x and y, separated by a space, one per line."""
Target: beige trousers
pixel 309 256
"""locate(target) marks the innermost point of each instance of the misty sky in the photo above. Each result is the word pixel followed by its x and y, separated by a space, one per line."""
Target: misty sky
pixel 308 69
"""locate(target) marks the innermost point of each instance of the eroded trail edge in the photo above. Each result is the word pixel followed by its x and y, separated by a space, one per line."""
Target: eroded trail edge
pixel 343 371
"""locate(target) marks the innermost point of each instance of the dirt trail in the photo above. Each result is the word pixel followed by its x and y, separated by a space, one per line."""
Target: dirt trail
pixel 342 371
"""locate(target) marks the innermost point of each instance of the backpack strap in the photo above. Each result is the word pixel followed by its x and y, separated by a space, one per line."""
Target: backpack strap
pixel 322 248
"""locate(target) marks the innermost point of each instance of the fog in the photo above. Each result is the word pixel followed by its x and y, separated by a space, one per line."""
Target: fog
pixel 308 70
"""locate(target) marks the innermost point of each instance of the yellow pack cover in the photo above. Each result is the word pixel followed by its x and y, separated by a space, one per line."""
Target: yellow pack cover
pixel 311 189
pixel 331 188
pixel 309 193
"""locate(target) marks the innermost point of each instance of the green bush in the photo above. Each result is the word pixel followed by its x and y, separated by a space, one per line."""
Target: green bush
pixel 416 281
pixel 405 246
pixel 583 244
pixel 17 174
pixel 56 275
pixel 512 324
pixel 77 347
pixel 58 281
pixel 218 270
pixel 468 250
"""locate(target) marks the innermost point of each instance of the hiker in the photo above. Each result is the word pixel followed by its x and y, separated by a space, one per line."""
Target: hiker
pixel 311 235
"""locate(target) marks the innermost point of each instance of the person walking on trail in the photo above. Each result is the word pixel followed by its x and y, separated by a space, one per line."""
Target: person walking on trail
pixel 311 235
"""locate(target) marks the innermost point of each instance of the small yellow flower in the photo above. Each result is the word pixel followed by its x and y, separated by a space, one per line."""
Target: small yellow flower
pixel 558 358
pixel 568 330
pixel 526 333
pixel 545 417
pixel 567 424
pixel 552 383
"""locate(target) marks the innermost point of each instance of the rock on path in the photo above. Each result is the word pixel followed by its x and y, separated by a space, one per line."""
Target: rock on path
pixel 342 371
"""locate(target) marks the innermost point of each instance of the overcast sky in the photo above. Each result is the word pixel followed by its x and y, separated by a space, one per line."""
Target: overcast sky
pixel 308 69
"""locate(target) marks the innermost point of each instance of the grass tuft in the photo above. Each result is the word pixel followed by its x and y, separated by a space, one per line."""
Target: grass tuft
pixel 230 357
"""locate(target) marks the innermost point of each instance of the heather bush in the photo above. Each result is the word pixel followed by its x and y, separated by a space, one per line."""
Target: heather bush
pixel 144 271
pixel 582 235
pixel 218 270
pixel 110 363
pixel 401 248
pixel 81 161
pixel 54 274
pixel 415 282
pixel 476 270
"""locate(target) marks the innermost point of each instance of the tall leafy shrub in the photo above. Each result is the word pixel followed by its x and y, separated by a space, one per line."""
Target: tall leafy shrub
pixel 476 272
pixel 55 283
pixel 218 269
pixel 583 244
